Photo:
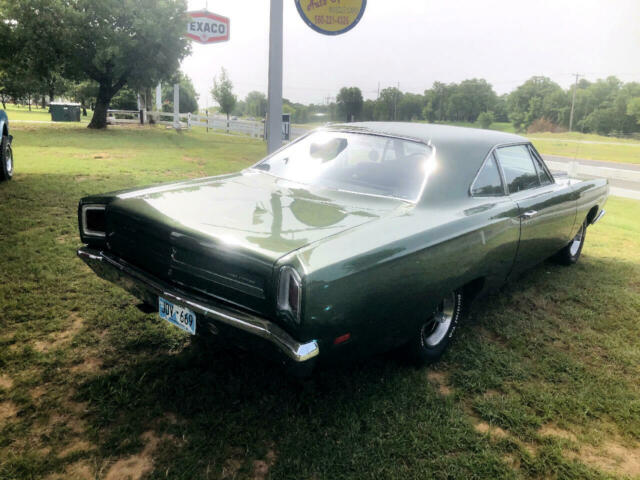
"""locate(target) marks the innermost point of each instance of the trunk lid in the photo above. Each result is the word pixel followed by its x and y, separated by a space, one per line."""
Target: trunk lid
pixel 221 236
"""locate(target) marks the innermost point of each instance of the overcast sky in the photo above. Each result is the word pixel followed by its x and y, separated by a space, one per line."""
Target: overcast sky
pixel 417 42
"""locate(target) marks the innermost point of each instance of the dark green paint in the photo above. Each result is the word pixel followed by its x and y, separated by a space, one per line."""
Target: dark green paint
pixel 372 266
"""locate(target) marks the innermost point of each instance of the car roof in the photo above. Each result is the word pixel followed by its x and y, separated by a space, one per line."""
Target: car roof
pixel 460 151
pixel 438 135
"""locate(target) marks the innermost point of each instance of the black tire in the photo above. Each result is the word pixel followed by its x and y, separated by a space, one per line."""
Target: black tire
pixel 571 252
pixel 435 334
pixel 6 159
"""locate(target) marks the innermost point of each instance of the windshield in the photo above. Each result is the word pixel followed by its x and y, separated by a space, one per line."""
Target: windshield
pixel 356 162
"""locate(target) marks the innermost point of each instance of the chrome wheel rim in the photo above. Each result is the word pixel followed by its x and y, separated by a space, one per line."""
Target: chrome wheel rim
pixel 9 161
pixel 434 331
pixel 577 240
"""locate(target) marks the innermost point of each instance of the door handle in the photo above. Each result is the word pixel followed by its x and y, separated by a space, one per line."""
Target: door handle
pixel 528 214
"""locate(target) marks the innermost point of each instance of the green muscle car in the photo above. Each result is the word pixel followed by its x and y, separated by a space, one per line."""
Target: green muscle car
pixel 353 239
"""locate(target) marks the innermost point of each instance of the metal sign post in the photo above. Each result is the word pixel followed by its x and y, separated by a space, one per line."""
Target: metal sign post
pixel 176 106
pixel 274 109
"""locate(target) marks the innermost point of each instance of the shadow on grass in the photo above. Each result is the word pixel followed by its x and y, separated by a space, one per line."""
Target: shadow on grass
pixel 225 409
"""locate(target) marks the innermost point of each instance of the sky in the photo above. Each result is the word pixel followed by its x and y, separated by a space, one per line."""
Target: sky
pixel 416 42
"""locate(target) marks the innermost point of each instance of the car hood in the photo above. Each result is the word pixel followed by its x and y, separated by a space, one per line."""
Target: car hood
pixel 254 211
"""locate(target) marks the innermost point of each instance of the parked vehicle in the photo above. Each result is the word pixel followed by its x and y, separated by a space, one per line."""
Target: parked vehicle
pixel 6 153
pixel 352 239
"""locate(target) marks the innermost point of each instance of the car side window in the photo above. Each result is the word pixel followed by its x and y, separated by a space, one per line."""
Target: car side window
pixel 545 179
pixel 488 182
pixel 519 170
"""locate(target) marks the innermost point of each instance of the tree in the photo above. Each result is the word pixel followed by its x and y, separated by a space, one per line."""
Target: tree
pixel 256 104
pixel 485 119
pixel 222 92
pixel 410 107
pixel 527 102
pixel 349 101
pixel 633 108
pixel 387 104
pixel 33 41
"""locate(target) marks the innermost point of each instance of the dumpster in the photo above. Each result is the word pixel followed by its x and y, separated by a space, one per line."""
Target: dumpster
pixel 64 112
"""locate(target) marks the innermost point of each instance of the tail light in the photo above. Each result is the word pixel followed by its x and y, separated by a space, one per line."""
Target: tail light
pixel 290 293
pixel 93 220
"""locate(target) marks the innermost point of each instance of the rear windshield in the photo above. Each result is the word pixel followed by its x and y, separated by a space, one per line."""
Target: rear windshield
pixel 355 162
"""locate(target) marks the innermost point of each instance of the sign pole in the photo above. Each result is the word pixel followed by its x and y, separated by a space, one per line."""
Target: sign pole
pixel 274 110
pixel 176 106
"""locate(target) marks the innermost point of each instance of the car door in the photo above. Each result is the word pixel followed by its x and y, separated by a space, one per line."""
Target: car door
pixel 547 209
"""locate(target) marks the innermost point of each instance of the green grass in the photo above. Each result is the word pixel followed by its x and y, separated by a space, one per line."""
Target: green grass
pixel 542 380
pixel 575 145
pixel 587 146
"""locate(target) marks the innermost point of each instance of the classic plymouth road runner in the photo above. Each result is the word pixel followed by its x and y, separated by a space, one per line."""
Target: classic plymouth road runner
pixel 355 238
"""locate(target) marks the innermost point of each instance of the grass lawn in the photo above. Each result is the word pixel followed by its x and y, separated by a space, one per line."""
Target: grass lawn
pixel 542 381
pixel 587 146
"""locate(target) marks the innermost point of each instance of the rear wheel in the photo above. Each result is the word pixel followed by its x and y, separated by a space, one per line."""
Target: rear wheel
pixel 571 253
pixel 6 159
pixel 434 335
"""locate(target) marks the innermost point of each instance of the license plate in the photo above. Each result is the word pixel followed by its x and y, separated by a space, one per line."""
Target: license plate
pixel 179 316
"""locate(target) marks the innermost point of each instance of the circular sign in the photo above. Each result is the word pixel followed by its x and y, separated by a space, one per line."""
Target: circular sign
pixel 331 17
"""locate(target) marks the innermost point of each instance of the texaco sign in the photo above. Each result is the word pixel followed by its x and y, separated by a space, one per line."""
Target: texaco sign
pixel 206 27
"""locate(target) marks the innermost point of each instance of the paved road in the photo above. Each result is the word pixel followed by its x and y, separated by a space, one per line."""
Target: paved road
pixel 595 163
pixel 619 187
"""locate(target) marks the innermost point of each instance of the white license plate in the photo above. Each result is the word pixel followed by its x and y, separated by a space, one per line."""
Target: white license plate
pixel 179 316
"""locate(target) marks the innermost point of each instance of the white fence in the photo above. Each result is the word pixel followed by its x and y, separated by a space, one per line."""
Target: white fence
pixel 252 128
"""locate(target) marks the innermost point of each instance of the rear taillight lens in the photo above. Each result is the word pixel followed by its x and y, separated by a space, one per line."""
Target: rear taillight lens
pixel 94 220
pixel 290 293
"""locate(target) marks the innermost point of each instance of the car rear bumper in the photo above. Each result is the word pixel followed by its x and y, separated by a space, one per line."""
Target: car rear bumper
pixel 148 289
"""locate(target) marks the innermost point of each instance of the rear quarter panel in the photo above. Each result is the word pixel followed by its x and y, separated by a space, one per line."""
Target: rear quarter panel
pixel 591 193
pixel 379 281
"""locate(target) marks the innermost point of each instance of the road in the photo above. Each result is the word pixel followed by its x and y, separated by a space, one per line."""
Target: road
pixel 619 186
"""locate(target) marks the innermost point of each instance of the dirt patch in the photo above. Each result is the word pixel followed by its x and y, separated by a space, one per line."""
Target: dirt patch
pixel 6 382
pixel 76 446
pixel 484 427
pixel 8 410
pixel 612 457
pixel 62 239
pixel 58 339
pixel 135 466
pixel 261 467
pixel 551 430
pixel 440 381
pixel 76 471
pixel 198 161
pixel 88 365
pixel 233 464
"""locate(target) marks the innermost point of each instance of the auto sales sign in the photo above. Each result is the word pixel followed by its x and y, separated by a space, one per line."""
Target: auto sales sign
pixel 206 27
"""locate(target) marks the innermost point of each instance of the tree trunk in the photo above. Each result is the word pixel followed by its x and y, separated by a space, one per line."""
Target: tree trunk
pixel 51 93
pixel 227 122
pixel 99 119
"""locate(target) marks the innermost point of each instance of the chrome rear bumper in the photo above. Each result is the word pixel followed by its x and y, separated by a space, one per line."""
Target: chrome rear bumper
pixel 148 289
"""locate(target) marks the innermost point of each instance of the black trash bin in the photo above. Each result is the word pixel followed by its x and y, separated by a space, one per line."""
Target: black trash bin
pixel 65 112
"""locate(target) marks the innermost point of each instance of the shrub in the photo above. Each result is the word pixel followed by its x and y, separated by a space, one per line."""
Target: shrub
pixel 544 125
pixel 485 119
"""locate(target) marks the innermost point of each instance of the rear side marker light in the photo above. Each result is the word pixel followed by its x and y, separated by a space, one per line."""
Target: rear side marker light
pixel 342 338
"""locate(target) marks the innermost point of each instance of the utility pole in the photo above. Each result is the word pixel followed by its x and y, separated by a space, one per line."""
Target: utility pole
pixel 274 109
pixel 573 101
pixel 395 103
